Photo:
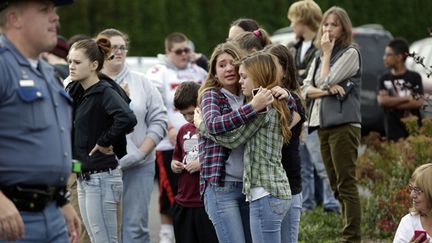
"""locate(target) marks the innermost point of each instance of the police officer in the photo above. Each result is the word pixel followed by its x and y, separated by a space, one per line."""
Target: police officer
pixel 35 128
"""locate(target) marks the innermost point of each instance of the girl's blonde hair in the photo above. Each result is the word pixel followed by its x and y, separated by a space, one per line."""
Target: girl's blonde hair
pixel 262 69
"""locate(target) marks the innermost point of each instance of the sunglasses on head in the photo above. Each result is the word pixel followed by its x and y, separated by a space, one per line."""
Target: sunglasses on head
pixel 180 51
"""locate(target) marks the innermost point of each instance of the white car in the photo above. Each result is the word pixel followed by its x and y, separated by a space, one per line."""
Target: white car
pixel 141 64
pixel 283 36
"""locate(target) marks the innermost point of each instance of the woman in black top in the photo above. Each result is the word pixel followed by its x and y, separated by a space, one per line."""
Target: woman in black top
pixel 101 119
pixel 290 151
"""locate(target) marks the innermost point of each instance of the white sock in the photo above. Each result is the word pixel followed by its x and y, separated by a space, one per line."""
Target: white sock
pixel 167 228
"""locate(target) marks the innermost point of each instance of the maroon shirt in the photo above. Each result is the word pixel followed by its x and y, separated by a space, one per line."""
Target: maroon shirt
pixel 186 150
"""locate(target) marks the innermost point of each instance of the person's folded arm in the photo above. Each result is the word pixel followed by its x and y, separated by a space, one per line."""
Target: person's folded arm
pixel 411 105
pixel 387 101
pixel 345 67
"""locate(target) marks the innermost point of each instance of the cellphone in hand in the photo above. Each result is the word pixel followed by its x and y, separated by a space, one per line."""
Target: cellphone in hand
pixel 422 233
pixel 255 91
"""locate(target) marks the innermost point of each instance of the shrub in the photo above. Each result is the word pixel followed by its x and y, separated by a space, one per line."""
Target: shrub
pixel 385 169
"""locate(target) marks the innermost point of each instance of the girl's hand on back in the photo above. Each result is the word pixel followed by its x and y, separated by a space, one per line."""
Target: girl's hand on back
pixel 262 99
pixel 280 93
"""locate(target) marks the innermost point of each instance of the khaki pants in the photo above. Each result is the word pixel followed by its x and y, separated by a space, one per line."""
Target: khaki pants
pixel 339 153
pixel 72 185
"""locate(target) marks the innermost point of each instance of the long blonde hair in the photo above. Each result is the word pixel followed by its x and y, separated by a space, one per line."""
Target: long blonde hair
pixel 262 69
pixel 211 81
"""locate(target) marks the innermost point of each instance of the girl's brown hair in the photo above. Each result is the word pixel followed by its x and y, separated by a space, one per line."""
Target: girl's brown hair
pixel 211 81
pixel 95 50
pixel 252 41
pixel 344 20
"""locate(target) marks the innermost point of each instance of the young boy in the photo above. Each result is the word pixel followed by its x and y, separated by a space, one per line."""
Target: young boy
pixel 190 220
pixel 397 89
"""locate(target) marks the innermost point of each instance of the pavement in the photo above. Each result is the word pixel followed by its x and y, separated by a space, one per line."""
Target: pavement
pixel 154 220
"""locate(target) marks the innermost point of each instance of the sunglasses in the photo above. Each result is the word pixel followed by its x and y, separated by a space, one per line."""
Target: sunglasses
pixel 178 52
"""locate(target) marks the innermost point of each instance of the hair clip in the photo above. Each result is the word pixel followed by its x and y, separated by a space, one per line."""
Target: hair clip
pixel 257 33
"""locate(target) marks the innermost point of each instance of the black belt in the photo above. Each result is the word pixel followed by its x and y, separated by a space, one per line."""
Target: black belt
pixel 85 175
pixel 34 198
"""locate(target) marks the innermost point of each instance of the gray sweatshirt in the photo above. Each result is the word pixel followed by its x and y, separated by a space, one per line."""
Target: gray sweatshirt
pixel 149 109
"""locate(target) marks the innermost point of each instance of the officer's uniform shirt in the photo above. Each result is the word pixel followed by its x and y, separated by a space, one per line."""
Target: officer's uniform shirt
pixel 35 122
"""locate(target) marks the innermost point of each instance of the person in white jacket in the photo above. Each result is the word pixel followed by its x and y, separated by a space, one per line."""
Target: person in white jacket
pixel 173 69
pixel 138 164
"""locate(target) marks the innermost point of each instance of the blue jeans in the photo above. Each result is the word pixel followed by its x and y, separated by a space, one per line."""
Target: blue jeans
pixel 229 212
pixel 290 224
pixel 98 199
pixel 310 156
pixel 45 226
pixel 266 215
pixel 137 188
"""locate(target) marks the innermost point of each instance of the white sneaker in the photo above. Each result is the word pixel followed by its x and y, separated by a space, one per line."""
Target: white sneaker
pixel 166 237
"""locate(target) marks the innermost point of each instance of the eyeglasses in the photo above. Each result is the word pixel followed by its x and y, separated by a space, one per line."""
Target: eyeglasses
pixel 414 189
pixel 388 54
pixel 178 52
pixel 119 48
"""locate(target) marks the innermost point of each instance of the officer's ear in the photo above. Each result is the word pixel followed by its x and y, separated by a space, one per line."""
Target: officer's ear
pixel 13 17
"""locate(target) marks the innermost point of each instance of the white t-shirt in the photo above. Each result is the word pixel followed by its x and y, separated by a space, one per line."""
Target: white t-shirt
pixel 304 47
pixel 408 224
pixel 166 78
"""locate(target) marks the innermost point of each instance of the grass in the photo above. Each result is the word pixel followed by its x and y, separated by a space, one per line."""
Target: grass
pixel 319 226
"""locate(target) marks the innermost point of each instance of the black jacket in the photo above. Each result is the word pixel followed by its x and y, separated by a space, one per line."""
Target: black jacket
pixel 100 116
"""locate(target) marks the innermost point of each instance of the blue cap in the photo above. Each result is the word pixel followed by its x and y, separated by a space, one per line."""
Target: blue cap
pixel 5 3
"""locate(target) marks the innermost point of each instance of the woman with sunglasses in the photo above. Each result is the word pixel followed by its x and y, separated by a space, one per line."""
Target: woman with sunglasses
pixel 417 225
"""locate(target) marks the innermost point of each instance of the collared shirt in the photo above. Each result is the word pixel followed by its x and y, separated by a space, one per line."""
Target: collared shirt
pixel 218 117
pixel 35 123
pixel 263 154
